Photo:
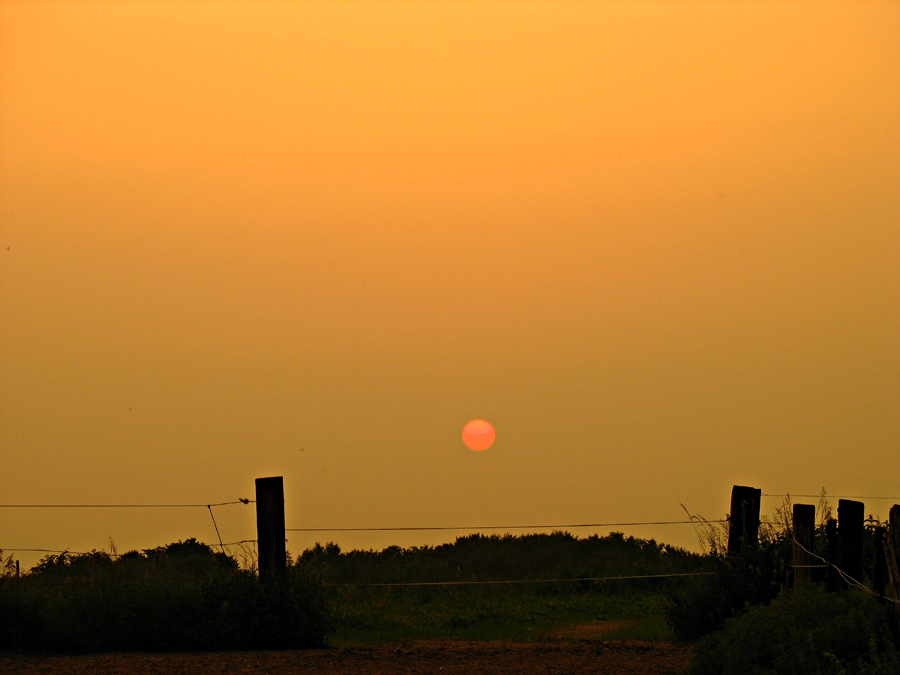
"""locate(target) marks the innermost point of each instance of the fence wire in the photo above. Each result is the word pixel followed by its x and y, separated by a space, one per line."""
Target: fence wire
pixel 123 506
pixel 494 527
pixel 518 581
pixel 846 577
pixel 827 496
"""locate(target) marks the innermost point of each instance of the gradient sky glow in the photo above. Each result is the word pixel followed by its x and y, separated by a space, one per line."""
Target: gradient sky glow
pixel 655 242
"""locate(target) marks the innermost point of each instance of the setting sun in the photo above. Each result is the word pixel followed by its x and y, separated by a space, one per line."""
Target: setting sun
pixel 478 435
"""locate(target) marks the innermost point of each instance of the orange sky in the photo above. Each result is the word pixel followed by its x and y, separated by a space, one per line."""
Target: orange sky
pixel 655 243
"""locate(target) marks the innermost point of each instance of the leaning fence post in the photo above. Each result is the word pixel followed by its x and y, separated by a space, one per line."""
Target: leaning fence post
pixel 743 521
pixel 270 527
pixel 851 516
pixel 803 527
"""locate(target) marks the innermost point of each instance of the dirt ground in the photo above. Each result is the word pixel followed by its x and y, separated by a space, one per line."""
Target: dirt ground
pixel 574 651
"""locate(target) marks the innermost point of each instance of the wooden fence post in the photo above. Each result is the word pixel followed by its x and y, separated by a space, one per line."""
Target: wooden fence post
pixel 878 565
pixel 743 521
pixel 831 537
pixel 804 525
pixel 851 516
pixel 892 563
pixel 892 553
pixel 270 527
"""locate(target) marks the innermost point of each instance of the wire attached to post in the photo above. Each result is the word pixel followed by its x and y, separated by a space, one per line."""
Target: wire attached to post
pixel 209 506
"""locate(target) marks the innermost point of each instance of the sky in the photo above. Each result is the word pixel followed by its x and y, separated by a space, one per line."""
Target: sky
pixel 656 243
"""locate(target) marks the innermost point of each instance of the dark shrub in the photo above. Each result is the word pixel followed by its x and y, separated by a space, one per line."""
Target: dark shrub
pixel 703 604
pixel 800 633
pixel 180 597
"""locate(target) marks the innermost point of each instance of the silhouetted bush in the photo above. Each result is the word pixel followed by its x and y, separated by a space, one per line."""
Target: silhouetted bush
pixel 500 557
pixel 806 631
pixel 703 604
pixel 183 596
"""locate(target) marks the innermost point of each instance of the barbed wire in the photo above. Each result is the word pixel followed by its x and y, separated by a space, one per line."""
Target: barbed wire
pixel 516 581
pixel 846 577
pixel 491 527
pixel 124 506
pixel 827 496
pixel 109 554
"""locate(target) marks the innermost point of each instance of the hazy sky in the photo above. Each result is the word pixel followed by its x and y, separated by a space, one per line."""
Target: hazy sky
pixel 655 243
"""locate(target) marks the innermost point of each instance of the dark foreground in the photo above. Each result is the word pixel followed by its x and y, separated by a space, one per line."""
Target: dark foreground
pixel 563 656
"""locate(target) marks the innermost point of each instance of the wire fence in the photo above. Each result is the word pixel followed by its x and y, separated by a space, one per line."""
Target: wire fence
pixel 565 526
pixel 124 506
pixel 849 580
pixel 827 496
pixel 543 526
pixel 461 528
pixel 209 507
pixel 521 581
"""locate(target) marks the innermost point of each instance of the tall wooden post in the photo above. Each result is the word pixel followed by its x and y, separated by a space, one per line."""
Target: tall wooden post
pixel 270 527
pixel 831 537
pixel 743 521
pixel 851 516
pixel 892 553
pixel 879 572
pixel 804 525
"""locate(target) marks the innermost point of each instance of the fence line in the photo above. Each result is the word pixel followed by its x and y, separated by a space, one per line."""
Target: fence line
pixel 827 496
pixel 111 555
pixel 209 507
pixel 737 523
pixel 520 581
pixel 353 529
pixel 123 506
pixel 846 577
pixel 491 527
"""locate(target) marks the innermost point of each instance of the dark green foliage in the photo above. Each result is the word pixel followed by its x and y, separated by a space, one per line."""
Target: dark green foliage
pixel 489 558
pixel 493 611
pixel 179 597
pixel 371 613
pixel 703 604
pixel 754 626
pixel 803 632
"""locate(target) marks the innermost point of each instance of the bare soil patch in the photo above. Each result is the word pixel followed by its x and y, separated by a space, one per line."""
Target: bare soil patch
pixel 554 655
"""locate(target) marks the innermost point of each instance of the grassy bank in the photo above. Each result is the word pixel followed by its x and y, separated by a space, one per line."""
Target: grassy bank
pixel 373 615
pixel 499 587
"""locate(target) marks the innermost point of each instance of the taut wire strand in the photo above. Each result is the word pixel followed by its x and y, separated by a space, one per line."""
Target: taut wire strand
pixel 846 577
pixel 211 515
pixel 820 496
pixel 121 506
pixel 523 581
pixel 489 527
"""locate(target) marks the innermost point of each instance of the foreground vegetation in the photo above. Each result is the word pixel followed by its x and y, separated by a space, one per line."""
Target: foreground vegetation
pixel 185 596
pixel 746 620
pixel 739 613
pixel 560 580
pixel 178 597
